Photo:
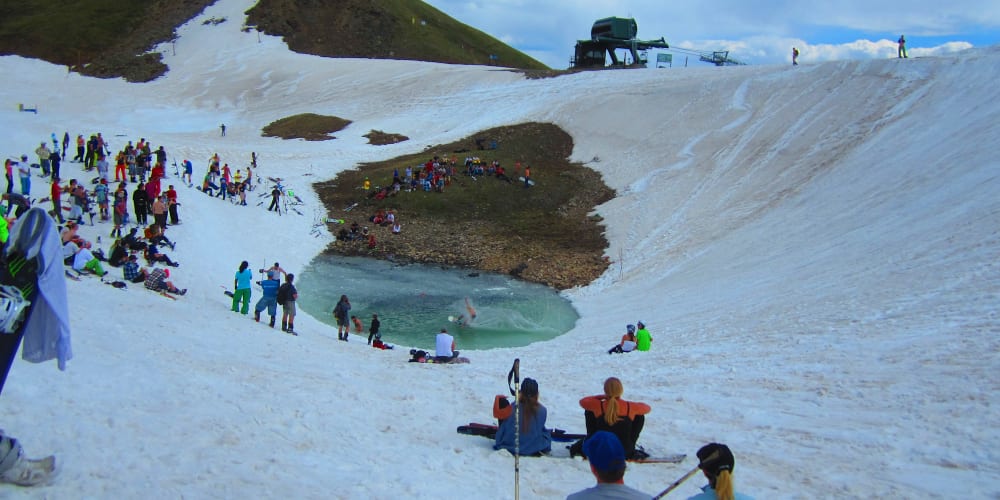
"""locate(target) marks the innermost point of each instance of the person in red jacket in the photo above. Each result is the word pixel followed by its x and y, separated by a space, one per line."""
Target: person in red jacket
pixel 172 205
pixel 57 199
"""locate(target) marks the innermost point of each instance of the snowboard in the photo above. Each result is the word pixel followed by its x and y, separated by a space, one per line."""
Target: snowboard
pixel 559 435
pixel 490 431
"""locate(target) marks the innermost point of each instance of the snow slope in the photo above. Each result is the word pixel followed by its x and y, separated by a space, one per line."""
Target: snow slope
pixel 813 248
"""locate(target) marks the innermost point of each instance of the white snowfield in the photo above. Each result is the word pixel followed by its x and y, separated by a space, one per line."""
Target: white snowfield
pixel 814 249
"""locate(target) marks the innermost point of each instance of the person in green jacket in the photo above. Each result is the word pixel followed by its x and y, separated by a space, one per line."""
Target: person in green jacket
pixel 642 337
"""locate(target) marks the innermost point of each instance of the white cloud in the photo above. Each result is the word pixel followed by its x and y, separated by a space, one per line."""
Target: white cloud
pixel 548 31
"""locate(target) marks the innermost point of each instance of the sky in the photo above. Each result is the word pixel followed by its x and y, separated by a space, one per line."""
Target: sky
pixel 814 250
pixel 753 32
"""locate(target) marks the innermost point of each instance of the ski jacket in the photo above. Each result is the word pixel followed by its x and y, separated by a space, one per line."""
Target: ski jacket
pixel 270 288
pixel 46 331
pixel 643 339
pixel 610 490
pixel 535 440
pixel 340 311
pixel 243 279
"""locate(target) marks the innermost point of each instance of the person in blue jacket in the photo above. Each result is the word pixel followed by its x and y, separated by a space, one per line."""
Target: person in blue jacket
pixel 534 438
pixel 268 300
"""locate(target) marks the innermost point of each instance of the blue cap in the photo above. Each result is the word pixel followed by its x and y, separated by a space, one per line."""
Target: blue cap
pixel 604 451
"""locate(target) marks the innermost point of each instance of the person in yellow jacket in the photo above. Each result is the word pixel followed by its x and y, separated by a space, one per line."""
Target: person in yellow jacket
pixel 642 337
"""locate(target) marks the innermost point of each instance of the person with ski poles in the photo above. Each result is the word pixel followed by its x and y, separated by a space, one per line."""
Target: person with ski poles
pixel 716 462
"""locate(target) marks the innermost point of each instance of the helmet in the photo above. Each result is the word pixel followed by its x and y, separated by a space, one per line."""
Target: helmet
pixel 631 328
pixel 12 304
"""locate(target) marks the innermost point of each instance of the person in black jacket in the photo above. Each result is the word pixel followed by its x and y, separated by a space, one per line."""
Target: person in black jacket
pixel 140 201
pixel 373 330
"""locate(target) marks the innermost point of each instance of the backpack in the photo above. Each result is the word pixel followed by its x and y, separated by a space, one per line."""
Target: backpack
pixel 283 294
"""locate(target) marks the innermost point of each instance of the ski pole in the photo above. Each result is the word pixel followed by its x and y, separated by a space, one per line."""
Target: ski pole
pixel 517 428
pixel 685 477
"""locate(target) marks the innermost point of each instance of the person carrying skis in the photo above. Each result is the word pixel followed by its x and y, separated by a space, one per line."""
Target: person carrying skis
pixel 606 456
pixel 534 438
pixel 241 284
pixel 340 312
pixel 716 462
pixel 609 412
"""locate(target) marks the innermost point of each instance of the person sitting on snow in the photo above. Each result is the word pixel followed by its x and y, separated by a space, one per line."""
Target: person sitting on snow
pixel 81 258
pixel 132 272
pixel 627 343
pixel 533 437
pixel 157 282
pixel 153 256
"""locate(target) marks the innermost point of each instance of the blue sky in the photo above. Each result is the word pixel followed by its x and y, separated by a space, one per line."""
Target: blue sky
pixel 753 31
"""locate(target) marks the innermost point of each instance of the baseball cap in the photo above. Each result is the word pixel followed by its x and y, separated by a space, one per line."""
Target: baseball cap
pixel 715 457
pixel 604 451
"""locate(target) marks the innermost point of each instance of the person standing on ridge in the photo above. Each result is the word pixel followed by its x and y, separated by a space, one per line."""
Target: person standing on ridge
pixel 795 56
pixel 901 51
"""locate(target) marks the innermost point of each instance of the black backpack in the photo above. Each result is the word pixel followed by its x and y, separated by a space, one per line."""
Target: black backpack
pixel 283 294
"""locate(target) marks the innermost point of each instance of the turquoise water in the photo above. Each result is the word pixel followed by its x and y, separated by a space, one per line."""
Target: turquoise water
pixel 414 302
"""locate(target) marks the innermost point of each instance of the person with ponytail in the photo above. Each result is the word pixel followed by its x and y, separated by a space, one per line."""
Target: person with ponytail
pixel 534 438
pixel 241 282
pixel 716 461
pixel 609 412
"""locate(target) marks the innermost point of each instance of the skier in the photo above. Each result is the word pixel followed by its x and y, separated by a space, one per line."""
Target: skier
pixel 795 56
pixel 901 51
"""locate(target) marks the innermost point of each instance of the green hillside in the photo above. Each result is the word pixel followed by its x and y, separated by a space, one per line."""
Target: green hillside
pixel 114 38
